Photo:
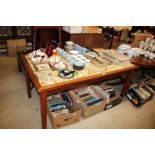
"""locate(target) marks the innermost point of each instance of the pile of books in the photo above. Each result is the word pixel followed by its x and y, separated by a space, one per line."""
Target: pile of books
pixel 88 96
pixel 113 98
pixel 59 104
pixel 90 101
pixel 141 92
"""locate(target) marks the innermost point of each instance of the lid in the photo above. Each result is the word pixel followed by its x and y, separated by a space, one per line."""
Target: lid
pixel 78 63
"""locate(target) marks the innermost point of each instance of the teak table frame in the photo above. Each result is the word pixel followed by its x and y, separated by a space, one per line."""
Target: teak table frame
pixel 44 91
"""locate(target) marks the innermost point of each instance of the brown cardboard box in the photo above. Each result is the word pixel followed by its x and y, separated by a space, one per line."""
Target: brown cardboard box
pixel 88 111
pixel 138 37
pixel 11 46
pixel 15 45
pixel 112 101
pixel 21 44
pixel 65 119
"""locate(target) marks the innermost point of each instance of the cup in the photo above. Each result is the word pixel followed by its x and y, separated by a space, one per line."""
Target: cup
pixel 60 51
pixel 68 57
pixel 151 56
pixel 64 54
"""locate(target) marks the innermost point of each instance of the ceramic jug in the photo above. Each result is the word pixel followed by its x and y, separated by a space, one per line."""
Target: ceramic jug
pixel 54 59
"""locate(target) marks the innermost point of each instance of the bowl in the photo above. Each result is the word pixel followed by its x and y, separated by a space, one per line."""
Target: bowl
pixel 78 65
pixel 61 65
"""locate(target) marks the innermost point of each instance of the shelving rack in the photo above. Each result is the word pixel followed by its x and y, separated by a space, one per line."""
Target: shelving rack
pixel 15 32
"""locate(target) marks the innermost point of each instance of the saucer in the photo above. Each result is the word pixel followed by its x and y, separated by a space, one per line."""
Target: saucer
pixel 74 52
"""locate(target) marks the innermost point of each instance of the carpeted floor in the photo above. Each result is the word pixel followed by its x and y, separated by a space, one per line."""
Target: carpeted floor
pixel 17 111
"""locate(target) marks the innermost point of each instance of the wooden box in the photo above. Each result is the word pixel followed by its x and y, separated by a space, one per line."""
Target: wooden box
pixel 88 111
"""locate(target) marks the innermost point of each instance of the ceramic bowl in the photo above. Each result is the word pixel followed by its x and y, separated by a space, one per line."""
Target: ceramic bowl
pixel 78 65
pixel 61 65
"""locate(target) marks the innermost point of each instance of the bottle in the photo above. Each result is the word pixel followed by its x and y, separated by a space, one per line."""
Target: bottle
pixel 50 47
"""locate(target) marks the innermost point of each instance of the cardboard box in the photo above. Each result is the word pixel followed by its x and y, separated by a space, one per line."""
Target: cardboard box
pixel 65 119
pixel 112 101
pixel 15 45
pixel 88 111
pixel 138 37
pixel 73 29
pixel 11 46
pixel 21 44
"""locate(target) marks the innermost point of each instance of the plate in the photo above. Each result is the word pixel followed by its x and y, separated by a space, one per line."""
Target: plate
pixel 74 52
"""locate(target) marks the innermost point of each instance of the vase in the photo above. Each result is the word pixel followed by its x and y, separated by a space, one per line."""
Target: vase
pixel 54 59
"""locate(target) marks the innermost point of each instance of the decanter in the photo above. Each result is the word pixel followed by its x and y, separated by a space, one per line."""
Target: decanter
pixel 54 59
pixel 50 47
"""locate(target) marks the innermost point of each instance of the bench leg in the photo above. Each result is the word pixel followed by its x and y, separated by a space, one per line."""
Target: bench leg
pixel 28 83
pixel 19 66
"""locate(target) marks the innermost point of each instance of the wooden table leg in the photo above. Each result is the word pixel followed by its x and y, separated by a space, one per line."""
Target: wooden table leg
pixel 43 109
pixel 28 83
pixel 126 83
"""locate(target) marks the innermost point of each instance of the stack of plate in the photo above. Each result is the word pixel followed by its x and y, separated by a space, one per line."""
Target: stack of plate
pixel 69 45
